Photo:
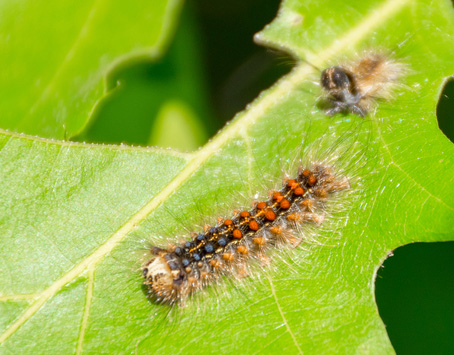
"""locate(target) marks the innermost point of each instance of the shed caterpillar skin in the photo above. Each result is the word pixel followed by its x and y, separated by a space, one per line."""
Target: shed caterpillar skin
pixel 227 249
pixel 356 86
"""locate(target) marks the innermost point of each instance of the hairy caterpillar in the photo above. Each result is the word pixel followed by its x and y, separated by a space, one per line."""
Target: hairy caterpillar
pixel 357 85
pixel 227 248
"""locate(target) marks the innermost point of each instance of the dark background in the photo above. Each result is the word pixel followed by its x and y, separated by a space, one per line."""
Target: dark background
pixel 415 287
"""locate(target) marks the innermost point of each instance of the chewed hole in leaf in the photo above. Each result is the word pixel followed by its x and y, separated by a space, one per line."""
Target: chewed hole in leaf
pixel 414 291
pixel 445 110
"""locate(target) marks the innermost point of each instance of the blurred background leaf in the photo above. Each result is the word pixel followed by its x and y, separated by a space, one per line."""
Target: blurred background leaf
pixel 141 92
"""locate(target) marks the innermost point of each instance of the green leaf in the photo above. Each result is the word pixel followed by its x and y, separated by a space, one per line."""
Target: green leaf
pixel 77 219
pixel 141 91
pixel 56 55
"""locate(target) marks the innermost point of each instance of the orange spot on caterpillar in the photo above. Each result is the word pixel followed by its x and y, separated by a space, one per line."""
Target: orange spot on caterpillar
pixel 242 250
pixel 261 205
pixel 253 225
pixel 215 263
pixel 228 222
pixel 237 234
pixel 228 256
pixel 292 184
pixel 245 214
pixel 259 241
pixel 270 215
pixel 294 217
pixel 306 172
pixel 277 196
pixel 299 191
pixel 285 204
pixel 312 180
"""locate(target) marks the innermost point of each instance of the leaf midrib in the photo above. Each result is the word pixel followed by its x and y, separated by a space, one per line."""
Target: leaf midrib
pixel 241 123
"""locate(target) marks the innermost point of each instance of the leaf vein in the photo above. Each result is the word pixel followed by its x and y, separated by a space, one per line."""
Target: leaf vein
pixel 273 291
pixel 91 280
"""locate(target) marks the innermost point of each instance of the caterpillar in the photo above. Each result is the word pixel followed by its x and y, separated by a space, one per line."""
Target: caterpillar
pixel 357 85
pixel 227 249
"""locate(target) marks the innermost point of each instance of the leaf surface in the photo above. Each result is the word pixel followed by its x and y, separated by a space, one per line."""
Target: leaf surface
pixel 78 218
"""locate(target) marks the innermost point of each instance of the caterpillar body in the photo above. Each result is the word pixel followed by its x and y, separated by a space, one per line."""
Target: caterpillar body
pixel 228 248
pixel 356 86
